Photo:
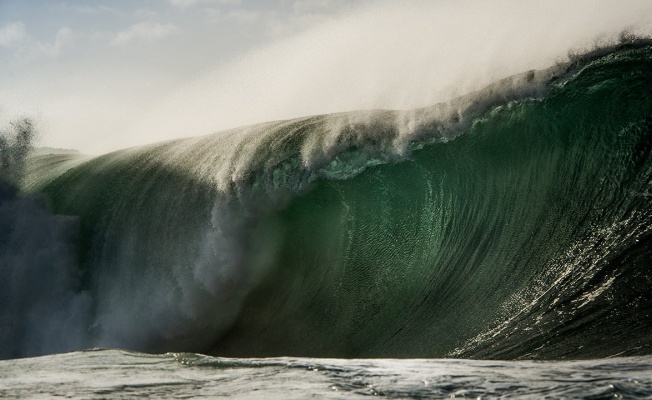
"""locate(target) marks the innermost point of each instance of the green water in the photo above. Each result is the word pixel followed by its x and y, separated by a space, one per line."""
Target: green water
pixel 525 234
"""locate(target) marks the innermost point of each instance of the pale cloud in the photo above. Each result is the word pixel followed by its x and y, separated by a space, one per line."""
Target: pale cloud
pixel 63 38
pixel 183 3
pixel 302 6
pixel 99 9
pixel 213 14
pixel 12 33
pixel 244 16
pixel 145 13
pixel 276 23
pixel 280 27
pixel 239 16
pixel 144 31
pixel 188 3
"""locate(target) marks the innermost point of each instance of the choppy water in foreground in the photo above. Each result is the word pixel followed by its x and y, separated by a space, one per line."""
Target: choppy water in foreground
pixel 103 374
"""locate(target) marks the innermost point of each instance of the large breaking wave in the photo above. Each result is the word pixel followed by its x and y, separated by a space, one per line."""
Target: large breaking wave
pixel 510 223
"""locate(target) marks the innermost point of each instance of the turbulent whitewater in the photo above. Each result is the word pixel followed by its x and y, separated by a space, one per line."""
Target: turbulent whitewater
pixel 511 223
pixel 102 374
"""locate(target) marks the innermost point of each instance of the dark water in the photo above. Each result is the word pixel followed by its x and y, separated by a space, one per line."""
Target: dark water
pixel 511 224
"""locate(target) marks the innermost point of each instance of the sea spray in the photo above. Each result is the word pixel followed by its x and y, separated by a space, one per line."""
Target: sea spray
pixel 42 309
pixel 15 146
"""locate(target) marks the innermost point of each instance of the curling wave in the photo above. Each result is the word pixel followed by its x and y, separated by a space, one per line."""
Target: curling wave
pixel 510 223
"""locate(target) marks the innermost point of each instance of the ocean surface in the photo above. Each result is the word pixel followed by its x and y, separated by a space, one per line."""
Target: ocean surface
pixel 112 374
pixel 383 252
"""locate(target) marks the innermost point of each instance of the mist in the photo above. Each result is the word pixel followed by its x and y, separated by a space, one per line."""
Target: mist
pixel 90 90
pixel 389 55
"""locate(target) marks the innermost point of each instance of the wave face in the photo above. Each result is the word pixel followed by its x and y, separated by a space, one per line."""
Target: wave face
pixel 513 225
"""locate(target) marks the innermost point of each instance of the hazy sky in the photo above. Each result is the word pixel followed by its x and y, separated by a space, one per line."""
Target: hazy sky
pixel 101 75
pixel 89 66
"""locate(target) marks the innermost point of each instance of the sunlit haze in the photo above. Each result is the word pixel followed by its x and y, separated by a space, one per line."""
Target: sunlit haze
pixel 103 75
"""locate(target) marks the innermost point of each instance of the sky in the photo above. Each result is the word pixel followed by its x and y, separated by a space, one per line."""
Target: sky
pixel 101 75
pixel 85 69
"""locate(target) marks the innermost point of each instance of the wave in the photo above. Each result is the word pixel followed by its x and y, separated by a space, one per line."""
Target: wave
pixel 510 223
